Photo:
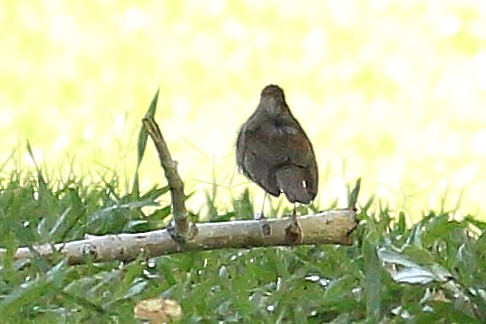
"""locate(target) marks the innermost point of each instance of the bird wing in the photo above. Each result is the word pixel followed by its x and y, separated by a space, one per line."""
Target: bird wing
pixel 252 157
pixel 301 158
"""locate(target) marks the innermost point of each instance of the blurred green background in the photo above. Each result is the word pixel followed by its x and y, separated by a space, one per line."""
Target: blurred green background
pixel 393 92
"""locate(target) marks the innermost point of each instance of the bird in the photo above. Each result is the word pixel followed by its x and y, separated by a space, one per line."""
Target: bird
pixel 273 150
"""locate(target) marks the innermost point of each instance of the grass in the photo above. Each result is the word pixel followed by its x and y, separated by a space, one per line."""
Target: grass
pixel 434 270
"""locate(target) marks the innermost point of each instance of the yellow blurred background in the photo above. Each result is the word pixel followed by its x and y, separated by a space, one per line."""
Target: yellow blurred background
pixel 393 92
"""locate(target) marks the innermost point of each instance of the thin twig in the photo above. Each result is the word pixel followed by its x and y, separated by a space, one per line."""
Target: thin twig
pixel 182 231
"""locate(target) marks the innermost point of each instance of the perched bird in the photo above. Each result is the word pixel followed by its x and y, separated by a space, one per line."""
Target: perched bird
pixel 273 150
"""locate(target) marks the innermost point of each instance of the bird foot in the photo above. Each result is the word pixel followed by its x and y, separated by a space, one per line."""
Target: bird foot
pixel 260 216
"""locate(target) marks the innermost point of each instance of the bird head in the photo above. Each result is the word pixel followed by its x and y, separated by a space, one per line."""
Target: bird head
pixel 272 100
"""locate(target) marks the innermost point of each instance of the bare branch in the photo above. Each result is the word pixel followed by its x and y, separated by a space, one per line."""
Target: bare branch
pixel 329 227
pixel 181 232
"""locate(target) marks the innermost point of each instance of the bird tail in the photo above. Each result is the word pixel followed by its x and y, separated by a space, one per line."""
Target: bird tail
pixel 291 180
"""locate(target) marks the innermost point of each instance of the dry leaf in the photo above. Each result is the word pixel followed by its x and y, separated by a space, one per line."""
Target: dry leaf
pixel 158 310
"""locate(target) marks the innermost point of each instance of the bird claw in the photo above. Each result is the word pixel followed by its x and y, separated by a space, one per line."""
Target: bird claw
pixel 260 216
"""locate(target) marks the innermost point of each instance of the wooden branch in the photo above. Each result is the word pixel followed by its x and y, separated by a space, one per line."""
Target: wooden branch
pixel 181 230
pixel 329 227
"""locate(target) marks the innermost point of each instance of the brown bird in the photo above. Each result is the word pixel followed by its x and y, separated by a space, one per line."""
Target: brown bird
pixel 273 150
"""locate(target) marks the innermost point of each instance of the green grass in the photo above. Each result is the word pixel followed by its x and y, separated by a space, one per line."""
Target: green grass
pixel 313 284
